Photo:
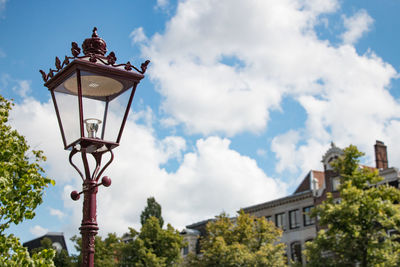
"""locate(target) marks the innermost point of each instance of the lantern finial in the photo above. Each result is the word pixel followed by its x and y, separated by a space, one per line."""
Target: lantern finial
pixel 95 32
pixel 94 45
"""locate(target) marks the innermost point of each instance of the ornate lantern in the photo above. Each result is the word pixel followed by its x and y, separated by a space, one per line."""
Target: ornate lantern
pixel 92 96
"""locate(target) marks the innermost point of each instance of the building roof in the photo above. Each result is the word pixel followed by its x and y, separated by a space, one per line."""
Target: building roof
pixel 199 224
pixel 280 201
pixel 306 184
pixel 55 237
pixel 188 231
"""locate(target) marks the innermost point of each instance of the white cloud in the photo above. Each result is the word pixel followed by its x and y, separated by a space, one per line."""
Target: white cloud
pixel 56 212
pixel 221 74
pixel 2 4
pixel 283 146
pixel 4 80
pixel 162 4
pixel 216 178
pixel 276 50
pixel 208 180
pixel 320 6
pixel 138 35
pixel 38 231
pixel 356 26
pixel 22 88
pixel 261 152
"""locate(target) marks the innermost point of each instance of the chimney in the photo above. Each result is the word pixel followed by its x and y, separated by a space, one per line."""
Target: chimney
pixel 381 157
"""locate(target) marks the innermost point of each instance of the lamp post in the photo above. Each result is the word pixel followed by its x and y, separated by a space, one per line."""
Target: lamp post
pixel 85 90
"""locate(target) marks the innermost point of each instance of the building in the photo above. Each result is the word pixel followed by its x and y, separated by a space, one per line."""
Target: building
pixel 56 238
pixel 291 213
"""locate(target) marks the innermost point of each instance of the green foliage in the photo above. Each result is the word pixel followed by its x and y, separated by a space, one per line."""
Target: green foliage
pixel 152 209
pixel 107 251
pixel 21 189
pixel 247 241
pixel 153 246
pixel 61 258
pixel 13 254
pixel 356 229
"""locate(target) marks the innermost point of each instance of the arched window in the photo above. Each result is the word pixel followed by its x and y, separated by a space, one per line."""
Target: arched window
pixel 295 251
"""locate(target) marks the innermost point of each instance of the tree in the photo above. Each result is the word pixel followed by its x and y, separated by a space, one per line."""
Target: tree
pixel 152 209
pixel 22 183
pixel 244 241
pixel 107 251
pixel 61 258
pixel 153 246
pixel 357 230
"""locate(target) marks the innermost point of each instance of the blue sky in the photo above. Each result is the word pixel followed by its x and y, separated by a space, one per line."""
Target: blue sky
pixel 241 100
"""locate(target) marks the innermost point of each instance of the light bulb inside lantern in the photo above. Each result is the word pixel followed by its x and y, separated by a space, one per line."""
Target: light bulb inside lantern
pixel 92 126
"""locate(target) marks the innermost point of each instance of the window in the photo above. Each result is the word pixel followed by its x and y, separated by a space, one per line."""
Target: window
pixel 306 216
pixel 335 183
pixel 185 250
pixel 268 218
pixel 294 216
pixel 295 251
pixel 280 220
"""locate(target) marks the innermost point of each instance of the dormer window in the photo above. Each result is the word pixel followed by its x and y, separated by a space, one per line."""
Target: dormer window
pixel 333 153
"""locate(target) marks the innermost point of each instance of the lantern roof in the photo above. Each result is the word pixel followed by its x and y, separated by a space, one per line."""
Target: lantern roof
pixel 93 60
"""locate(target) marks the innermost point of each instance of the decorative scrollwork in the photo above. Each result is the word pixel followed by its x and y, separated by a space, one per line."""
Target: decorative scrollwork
pixel 75 50
pixel 96 174
pixel 58 64
pixel 98 171
pixel 66 61
pixel 73 152
pixel 110 60
pixel 128 66
pixel 44 75
pixel 144 66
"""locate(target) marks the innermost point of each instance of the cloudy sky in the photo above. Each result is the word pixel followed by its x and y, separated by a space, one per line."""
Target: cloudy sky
pixel 241 99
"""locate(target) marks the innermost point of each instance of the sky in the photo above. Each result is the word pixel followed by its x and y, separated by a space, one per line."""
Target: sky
pixel 240 101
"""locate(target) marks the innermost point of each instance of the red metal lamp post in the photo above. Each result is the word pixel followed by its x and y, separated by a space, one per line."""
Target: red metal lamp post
pixel 85 90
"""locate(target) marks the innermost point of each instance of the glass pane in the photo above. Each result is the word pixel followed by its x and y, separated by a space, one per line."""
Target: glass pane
pixel 69 114
pixel 280 220
pixel 307 219
pixel 116 112
pixel 294 219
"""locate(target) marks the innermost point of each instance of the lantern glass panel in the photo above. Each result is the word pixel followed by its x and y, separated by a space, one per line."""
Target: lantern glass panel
pixel 116 111
pixel 69 116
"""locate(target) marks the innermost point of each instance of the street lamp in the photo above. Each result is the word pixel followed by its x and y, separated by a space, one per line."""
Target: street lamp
pixel 84 90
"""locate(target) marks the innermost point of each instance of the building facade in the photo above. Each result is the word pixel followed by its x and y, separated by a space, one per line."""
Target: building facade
pixel 291 213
